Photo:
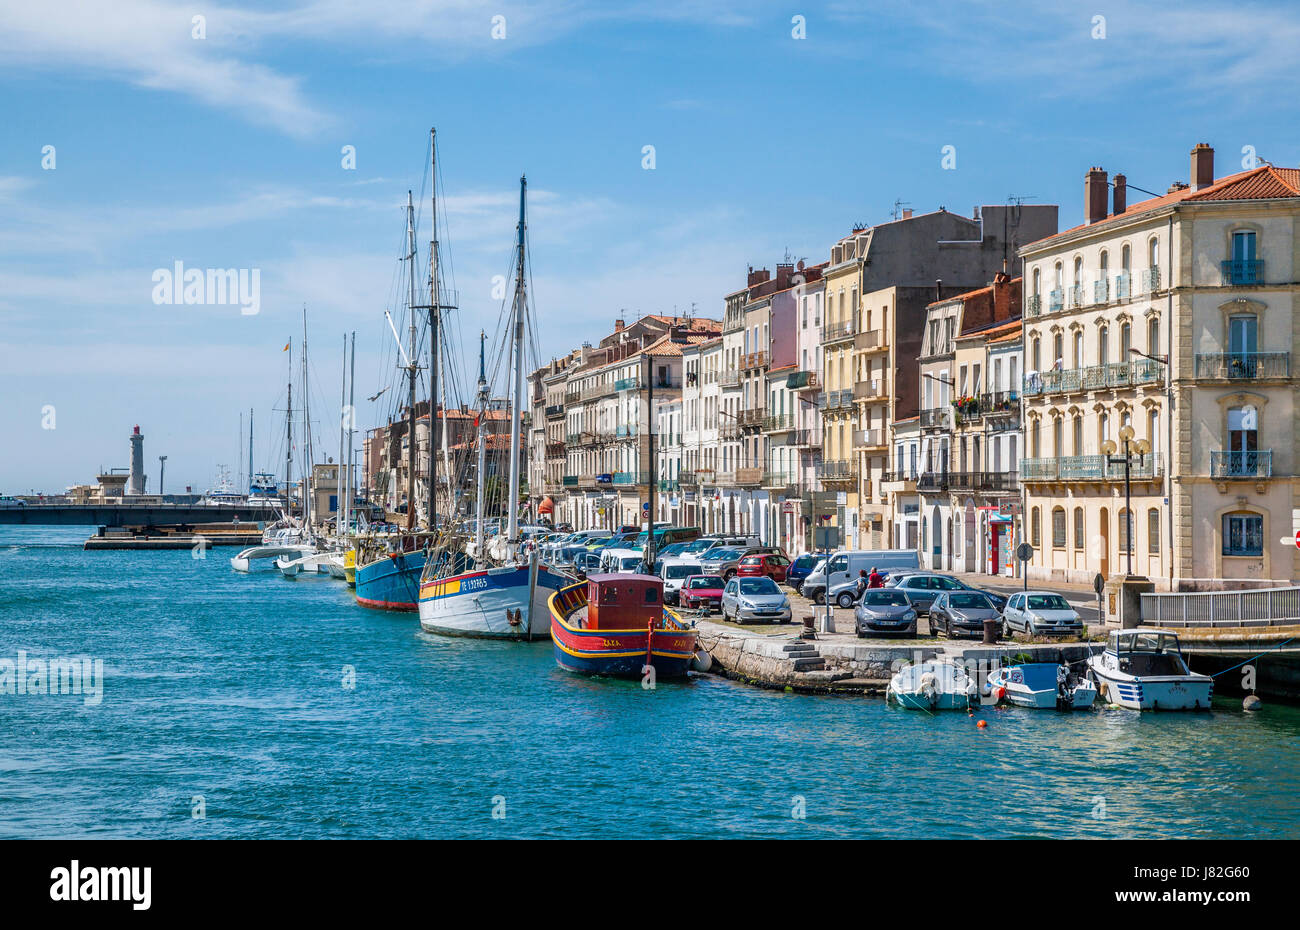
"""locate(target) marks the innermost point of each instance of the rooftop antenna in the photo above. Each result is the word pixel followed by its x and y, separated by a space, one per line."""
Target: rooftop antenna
pixel 897 212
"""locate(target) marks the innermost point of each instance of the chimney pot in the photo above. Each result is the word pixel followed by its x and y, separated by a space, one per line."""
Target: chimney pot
pixel 1094 195
pixel 1121 195
pixel 938 288
pixel 1202 166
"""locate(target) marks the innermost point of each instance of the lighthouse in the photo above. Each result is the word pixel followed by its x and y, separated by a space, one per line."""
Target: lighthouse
pixel 136 484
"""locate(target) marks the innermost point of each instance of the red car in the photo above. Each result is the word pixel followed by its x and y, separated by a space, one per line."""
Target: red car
pixel 702 591
pixel 774 566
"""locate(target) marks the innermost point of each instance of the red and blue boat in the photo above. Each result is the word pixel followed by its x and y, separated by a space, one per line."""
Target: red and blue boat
pixel 388 570
pixel 617 625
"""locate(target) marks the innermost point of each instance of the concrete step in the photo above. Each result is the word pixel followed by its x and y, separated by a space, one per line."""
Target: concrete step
pixel 821 676
pixel 793 652
pixel 808 663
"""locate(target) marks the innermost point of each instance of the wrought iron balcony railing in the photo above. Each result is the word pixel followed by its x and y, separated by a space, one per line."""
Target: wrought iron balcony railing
pixel 1254 463
pixel 1241 272
pixel 1243 366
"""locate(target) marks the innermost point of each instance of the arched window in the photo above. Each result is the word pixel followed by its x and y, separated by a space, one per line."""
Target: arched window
pixel 1078 528
pixel 1153 430
pixel 1037 282
pixel 1058 351
pixel 1077 361
pixel 1058 528
pixel 1078 434
pixel 1035 354
pixel 1103 345
pixel 1078 271
pixel 1125 341
pixel 1126 259
pixel 1060 276
pixel 1153 336
pixel 1104 264
pixel 1058 436
pixel 1153 252
pixel 1153 531
pixel 1035 529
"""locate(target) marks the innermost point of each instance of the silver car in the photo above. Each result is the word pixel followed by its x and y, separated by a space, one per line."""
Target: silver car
pixel 884 612
pixel 1041 612
pixel 722 562
pixel 755 599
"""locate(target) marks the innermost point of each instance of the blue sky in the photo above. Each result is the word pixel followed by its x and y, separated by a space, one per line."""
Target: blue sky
pixel 224 152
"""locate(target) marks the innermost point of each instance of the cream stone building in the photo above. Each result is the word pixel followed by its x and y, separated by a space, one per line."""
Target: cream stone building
pixel 1167 328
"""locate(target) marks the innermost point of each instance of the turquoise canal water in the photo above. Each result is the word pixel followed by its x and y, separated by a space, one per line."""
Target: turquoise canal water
pixel 231 688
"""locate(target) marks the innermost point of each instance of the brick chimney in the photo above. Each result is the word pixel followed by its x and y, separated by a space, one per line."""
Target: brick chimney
pixel 618 325
pixel 1121 195
pixel 757 277
pixel 1094 195
pixel 1202 166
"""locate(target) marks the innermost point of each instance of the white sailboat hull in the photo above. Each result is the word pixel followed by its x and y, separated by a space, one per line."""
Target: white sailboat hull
pixel 482 603
pixel 264 556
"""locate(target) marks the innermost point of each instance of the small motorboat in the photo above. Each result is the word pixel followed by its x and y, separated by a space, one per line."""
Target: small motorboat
pixel 617 625
pixel 1143 669
pixel 1042 685
pixel 933 686
pixel 310 563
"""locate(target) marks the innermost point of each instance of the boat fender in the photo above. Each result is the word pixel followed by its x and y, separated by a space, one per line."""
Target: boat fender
pixel 701 661
pixel 999 692
pixel 1252 702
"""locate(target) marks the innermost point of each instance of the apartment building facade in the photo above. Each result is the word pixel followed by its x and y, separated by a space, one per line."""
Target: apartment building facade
pixel 1166 329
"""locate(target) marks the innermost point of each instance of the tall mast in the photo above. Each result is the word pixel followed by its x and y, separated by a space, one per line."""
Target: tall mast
pixel 482 448
pixel 517 401
pixel 288 439
pixel 349 490
pixel 240 446
pixel 306 430
pixel 435 316
pixel 343 425
pixel 410 417
pixel 250 450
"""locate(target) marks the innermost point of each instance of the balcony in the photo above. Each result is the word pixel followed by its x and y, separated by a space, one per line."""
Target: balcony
pixel 781 423
pixel 1242 272
pixel 722 479
pixel 628 384
pixel 807 438
pixel 554 411
pixel 835 332
pixel 1255 463
pixel 839 400
pixel 1149 280
pixel 1122 286
pixel 865 390
pixel 753 418
pixel 774 480
pixel 934 417
pixel 668 484
pixel 1075 294
pixel 902 482
pixel 1056 301
pixel 1101 291
pixel 556 449
pixel 989 481
pixel 838 471
pixel 933 481
pixel 1096 377
pixel 729 379
pixel 755 360
pixel 1089 468
pixel 1243 366
pixel 1033 306
pixel 626 431
pixel 870 341
pixel 630 478
pixel 570 481
pixel 803 381
pixel 730 430
pixel 868 438
pixel 966 411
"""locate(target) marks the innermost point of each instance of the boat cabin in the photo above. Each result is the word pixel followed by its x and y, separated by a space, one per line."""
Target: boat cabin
pixel 1144 653
pixel 624 602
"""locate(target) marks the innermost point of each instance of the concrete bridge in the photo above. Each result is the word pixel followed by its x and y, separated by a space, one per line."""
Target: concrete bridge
pixel 129 514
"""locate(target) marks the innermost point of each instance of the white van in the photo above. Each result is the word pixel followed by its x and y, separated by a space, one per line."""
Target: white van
pixel 620 560
pixel 839 573
pixel 674 572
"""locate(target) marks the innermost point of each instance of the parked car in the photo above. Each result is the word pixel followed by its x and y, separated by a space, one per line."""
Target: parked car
pixel 675 572
pixel 722 562
pixel 922 588
pixel 704 544
pixel 7 501
pixel 703 592
pixel 884 611
pixel 800 569
pixel 1037 613
pixel 756 599
pixel 962 613
pixel 840 573
pixel 770 565
pixel 586 563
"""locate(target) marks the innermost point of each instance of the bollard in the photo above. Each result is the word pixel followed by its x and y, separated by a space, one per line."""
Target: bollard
pixel 990 632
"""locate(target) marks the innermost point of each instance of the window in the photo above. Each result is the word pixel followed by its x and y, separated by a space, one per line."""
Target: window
pixel 1077 361
pixel 1243 247
pixel 1153 336
pixel 1035 529
pixel 1078 527
pixel 1078 434
pixel 1103 345
pixel 1037 282
pixel 1243 534
pixel 1243 339
pixel 1153 253
pixel 1123 531
pixel 1125 341
pixel 1153 531
pixel 1126 259
pixel 1058 528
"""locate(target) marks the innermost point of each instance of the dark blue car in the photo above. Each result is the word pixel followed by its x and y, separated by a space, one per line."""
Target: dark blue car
pixel 801 567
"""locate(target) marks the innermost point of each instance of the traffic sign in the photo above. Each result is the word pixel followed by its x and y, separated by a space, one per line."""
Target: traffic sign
pixel 1098 583
pixel 1024 552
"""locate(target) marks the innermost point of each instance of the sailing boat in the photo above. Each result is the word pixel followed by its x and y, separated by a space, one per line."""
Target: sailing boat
pixel 502 598
pixel 388 566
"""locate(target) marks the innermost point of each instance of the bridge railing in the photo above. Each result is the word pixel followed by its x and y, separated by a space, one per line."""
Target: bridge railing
pixel 1248 608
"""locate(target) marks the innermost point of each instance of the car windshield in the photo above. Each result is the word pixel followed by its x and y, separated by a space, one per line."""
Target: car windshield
pixel 969 601
pixel 878 598
pixel 758 586
pixel 681 571
pixel 751 560
pixel 704 581
pixel 1047 602
pixel 698 545
pixel 723 554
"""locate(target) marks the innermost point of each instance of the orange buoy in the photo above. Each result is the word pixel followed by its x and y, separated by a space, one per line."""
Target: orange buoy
pixel 982 724
pixel 1000 692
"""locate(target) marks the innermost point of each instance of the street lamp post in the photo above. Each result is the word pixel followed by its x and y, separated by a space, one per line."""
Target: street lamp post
pixel 1142 447
pixel 162 468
